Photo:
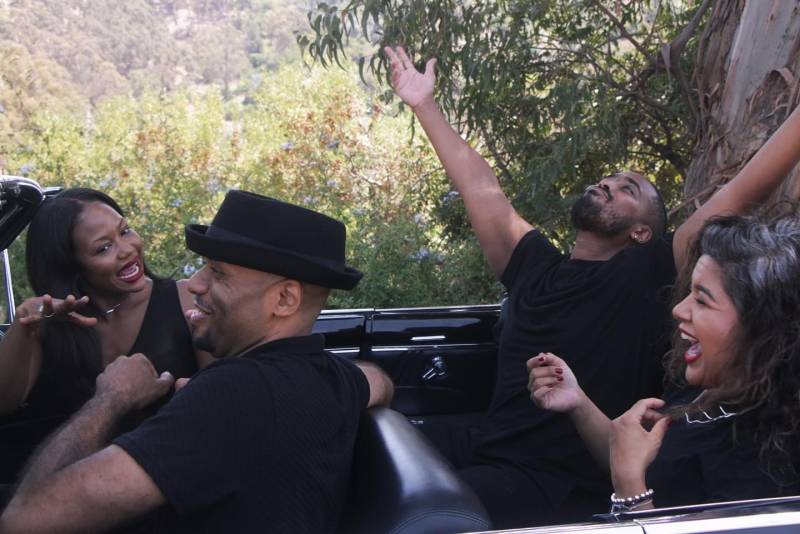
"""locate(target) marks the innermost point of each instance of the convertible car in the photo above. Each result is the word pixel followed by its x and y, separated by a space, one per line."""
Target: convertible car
pixel 442 361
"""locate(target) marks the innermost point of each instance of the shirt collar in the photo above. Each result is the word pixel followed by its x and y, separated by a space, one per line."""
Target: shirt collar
pixel 313 343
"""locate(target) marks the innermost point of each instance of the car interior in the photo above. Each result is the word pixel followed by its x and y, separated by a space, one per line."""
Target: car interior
pixel 442 361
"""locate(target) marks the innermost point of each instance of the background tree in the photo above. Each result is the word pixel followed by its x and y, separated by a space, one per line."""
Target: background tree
pixel 561 92
pixel 315 138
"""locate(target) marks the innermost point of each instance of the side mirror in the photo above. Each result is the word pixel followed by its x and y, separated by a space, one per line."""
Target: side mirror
pixel 20 198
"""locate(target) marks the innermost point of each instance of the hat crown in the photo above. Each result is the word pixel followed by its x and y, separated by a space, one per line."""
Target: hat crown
pixel 281 225
pixel 273 236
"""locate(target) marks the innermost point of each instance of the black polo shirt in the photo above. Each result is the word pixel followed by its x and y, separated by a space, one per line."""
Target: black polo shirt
pixel 258 443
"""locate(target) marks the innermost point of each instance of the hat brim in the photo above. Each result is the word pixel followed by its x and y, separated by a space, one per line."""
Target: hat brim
pixel 270 259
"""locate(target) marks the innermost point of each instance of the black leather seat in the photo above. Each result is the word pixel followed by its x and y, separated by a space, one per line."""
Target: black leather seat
pixel 401 484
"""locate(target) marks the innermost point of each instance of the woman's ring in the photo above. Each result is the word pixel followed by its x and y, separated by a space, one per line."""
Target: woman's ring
pixel 40 311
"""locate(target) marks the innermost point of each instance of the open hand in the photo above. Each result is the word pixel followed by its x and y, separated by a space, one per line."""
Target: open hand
pixel 632 447
pixel 412 86
pixel 46 308
pixel 552 384
pixel 132 382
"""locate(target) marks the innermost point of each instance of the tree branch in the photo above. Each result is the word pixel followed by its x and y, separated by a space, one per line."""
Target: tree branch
pixel 621 27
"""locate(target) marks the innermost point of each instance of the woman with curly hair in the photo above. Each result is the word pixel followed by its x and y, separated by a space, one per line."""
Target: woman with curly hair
pixel 731 430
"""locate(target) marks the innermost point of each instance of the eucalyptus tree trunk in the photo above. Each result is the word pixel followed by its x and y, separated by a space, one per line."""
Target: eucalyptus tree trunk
pixel 746 76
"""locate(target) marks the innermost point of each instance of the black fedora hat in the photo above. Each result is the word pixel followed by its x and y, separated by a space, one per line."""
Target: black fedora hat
pixel 269 235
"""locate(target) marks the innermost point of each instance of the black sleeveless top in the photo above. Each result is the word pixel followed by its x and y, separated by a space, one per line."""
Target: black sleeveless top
pixel 164 338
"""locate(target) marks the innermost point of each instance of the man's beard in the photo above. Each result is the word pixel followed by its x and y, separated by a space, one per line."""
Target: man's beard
pixel 202 343
pixel 588 215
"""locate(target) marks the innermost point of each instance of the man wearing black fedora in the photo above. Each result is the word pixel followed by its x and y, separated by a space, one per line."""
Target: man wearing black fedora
pixel 262 439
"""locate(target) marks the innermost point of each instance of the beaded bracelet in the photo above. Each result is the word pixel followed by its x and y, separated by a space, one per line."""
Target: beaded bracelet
pixel 627 504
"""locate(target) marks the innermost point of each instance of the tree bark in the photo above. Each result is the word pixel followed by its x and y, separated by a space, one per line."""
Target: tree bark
pixel 746 78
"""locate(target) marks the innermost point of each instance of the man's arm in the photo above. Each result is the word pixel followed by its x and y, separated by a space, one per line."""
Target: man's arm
pixel 381 388
pixel 755 183
pixel 69 487
pixel 496 223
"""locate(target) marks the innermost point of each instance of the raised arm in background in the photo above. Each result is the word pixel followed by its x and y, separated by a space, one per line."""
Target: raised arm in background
pixel 754 184
pixel 496 223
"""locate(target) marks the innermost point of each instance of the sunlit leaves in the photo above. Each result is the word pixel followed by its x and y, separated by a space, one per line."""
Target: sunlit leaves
pixel 552 91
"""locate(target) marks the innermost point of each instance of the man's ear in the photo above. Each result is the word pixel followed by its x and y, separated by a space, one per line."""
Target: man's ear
pixel 640 234
pixel 290 297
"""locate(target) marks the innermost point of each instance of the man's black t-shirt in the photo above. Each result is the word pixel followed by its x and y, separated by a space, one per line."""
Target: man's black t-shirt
pixel 258 443
pixel 609 320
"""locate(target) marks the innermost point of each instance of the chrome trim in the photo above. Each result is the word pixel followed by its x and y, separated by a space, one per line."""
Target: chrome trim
pixel 349 311
pixel 388 348
pixel 398 311
pixel 629 527
pixel 687 525
pixel 344 351
pixel 12 308
pixel 428 338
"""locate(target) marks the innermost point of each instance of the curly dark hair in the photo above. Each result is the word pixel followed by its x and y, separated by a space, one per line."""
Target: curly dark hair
pixel 759 257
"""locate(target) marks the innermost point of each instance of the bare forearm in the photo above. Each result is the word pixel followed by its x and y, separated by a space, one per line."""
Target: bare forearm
pixel 595 430
pixel 471 174
pixel 85 433
pixel 497 225
pixel 770 165
pixel 381 387
pixel 759 179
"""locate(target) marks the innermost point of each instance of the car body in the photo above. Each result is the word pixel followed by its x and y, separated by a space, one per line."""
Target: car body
pixel 442 361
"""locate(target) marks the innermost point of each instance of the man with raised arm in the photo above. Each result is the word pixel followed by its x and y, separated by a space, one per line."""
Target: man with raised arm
pixel 603 308
pixel 259 441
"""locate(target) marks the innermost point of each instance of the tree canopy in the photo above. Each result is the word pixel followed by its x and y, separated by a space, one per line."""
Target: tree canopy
pixel 557 93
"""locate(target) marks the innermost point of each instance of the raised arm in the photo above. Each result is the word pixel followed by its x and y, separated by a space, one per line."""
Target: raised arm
pixel 21 351
pixel 754 184
pixel 495 222
pixel 553 386
pixel 71 488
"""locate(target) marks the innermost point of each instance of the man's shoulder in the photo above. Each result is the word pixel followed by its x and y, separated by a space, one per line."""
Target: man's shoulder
pixel 532 255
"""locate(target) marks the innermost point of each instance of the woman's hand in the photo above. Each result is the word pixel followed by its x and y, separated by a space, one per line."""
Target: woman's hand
pixel 552 384
pixel 633 448
pixel 412 86
pixel 35 310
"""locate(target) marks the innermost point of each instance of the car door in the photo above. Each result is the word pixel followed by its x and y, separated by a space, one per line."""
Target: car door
pixel 442 360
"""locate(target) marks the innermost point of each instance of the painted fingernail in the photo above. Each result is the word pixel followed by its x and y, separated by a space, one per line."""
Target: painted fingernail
pixel 541 358
pixel 559 370
pixel 560 378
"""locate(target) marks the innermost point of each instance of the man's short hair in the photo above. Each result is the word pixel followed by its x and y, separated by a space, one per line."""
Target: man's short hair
pixel 656 211
pixel 656 216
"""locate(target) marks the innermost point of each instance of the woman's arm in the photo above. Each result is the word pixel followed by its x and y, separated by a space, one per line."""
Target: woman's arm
pixel 632 447
pixel 21 350
pixel 752 185
pixel 554 387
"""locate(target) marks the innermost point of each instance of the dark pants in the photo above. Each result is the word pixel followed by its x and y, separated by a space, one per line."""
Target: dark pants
pixel 514 498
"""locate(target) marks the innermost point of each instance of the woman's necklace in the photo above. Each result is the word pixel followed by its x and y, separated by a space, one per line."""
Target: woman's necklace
pixel 112 309
pixel 706 418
